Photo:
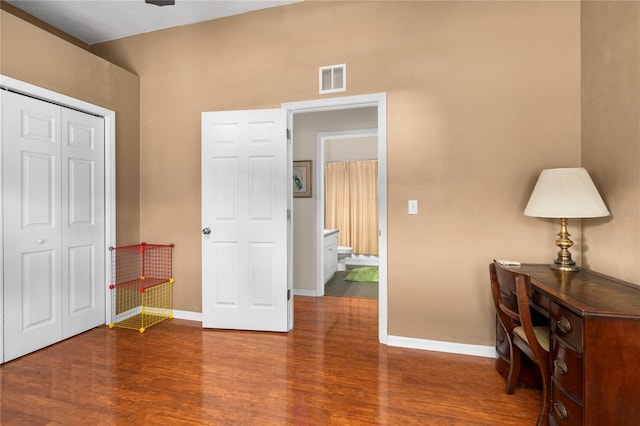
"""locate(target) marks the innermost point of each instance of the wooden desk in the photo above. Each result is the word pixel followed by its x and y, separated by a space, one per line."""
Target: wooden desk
pixel 595 346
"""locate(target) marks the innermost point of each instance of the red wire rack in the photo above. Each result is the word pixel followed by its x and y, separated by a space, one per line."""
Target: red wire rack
pixel 141 286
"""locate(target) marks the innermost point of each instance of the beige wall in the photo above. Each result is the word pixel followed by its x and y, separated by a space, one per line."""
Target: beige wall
pixel 37 57
pixel 351 149
pixel 611 132
pixel 481 97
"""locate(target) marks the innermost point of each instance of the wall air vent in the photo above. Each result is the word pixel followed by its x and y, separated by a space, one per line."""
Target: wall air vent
pixel 333 78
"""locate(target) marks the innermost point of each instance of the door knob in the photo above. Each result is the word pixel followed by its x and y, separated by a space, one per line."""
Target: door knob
pixel 40 240
pixel 206 231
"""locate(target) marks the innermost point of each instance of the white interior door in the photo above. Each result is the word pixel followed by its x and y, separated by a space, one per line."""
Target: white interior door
pixel 83 224
pixel 32 245
pixel 53 223
pixel 245 189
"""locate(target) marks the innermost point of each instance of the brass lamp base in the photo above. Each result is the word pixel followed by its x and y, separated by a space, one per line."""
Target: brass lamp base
pixel 564 262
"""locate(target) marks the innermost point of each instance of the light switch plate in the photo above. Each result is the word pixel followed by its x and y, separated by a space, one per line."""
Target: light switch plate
pixel 413 206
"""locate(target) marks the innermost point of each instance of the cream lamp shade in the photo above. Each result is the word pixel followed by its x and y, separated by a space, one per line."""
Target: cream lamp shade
pixel 563 194
pixel 568 193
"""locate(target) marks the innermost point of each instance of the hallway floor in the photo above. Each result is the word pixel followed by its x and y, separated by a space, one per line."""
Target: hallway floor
pixel 337 286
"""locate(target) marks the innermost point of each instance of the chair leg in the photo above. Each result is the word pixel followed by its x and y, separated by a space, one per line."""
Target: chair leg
pixel 543 418
pixel 514 368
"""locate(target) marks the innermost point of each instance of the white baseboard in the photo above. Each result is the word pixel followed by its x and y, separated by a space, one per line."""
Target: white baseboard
pixel 304 292
pixel 398 341
pixel 438 346
pixel 187 315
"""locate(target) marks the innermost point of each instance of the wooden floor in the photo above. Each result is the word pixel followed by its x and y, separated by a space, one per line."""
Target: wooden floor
pixel 329 370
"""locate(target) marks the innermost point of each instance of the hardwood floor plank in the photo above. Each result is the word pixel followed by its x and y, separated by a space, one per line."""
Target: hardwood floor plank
pixel 329 370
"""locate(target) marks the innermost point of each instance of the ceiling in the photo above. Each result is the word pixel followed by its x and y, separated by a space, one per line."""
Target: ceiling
pixel 95 21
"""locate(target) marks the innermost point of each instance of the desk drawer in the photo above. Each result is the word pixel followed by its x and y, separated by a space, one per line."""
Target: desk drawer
pixel 564 410
pixel 566 325
pixel 567 369
pixel 541 302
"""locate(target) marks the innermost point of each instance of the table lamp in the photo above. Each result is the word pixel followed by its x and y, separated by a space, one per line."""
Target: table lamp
pixel 563 194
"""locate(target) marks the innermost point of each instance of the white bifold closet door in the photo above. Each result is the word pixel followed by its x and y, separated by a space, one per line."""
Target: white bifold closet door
pixel 53 223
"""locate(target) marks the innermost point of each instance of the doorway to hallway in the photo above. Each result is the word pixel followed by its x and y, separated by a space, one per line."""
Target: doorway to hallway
pixel 313 207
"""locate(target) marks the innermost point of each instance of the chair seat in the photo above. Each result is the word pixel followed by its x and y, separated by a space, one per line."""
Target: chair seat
pixel 542 334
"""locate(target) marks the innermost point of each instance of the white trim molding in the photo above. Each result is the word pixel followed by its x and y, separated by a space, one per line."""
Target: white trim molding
pixel 187 315
pixel 439 346
pixel 305 292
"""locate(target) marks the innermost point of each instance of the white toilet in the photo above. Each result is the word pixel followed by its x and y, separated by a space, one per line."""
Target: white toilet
pixel 343 253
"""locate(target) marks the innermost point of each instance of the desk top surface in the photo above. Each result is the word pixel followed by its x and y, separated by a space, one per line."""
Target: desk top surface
pixel 587 291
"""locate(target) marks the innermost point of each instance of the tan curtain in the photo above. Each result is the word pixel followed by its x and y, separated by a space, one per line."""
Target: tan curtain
pixel 351 204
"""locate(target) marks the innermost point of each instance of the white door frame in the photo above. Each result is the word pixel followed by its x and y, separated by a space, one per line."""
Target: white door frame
pixel 321 138
pixel 8 83
pixel 378 100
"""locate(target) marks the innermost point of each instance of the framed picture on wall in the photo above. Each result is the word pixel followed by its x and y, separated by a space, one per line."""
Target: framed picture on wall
pixel 302 178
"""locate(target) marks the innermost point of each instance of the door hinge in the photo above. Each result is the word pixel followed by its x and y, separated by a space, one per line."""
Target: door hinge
pixel 288 214
pixel 288 294
pixel 289 135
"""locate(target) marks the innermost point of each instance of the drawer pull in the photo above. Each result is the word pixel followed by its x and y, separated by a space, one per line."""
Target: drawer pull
pixel 560 410
pixel 561 366
pixel 564 325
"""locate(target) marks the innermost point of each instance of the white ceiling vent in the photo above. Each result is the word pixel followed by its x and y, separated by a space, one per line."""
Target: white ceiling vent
pixel 333 78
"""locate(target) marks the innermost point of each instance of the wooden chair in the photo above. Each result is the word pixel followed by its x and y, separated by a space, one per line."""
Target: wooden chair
pixel 514 313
